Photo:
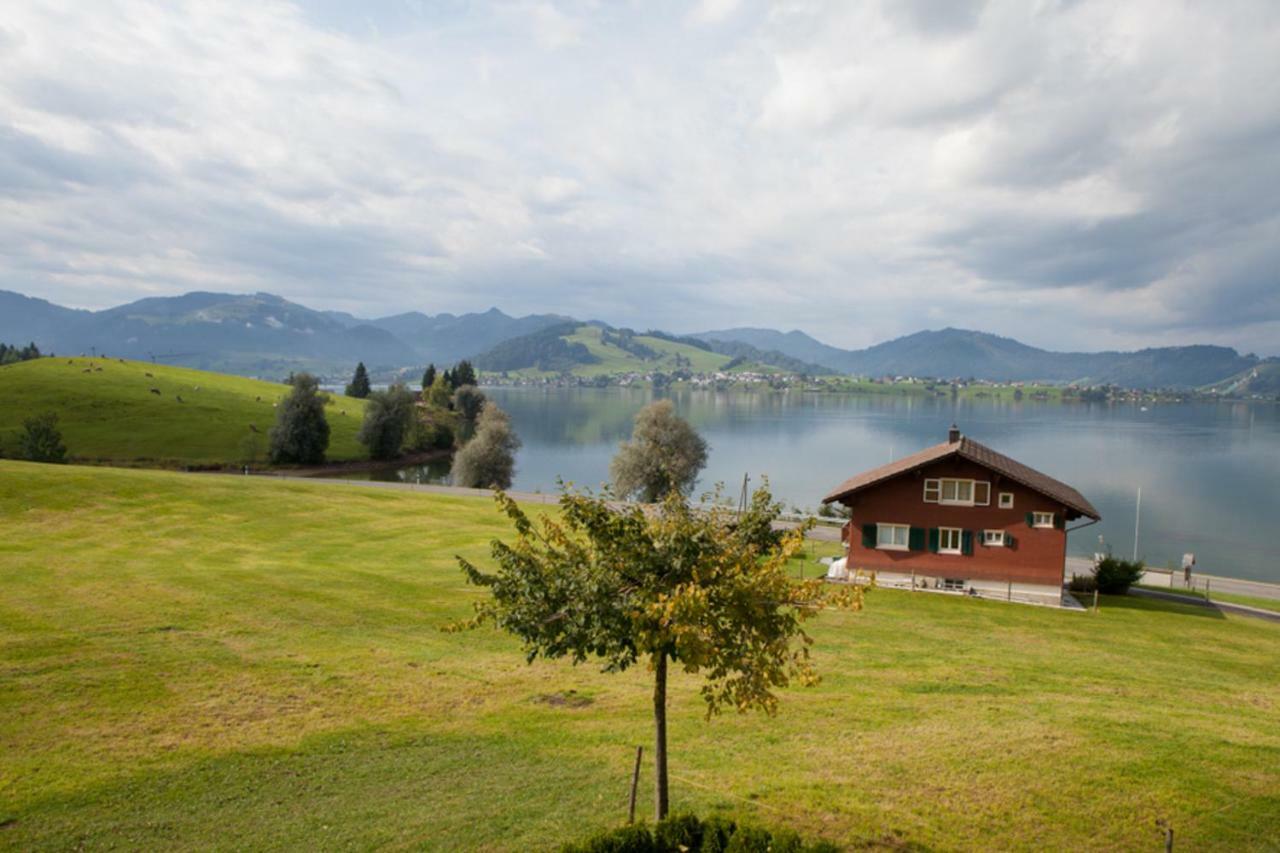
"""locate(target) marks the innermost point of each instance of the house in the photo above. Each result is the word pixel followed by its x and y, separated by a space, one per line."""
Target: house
pixel 960 516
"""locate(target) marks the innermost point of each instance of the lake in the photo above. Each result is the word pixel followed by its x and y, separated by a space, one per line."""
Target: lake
pixel 1209 472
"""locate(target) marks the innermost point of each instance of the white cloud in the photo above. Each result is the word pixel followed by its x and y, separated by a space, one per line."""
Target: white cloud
pixel 1073 174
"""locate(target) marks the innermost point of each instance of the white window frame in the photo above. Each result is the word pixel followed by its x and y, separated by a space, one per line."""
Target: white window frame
pixel 893 546
pixel 1042 519
pixel 994 539
pixel 959 537
pixel 1006 500
pixel 935 491
pixel 952 584
pixel 934 486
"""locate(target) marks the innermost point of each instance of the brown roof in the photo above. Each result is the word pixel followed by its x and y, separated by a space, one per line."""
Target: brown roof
pixel 967 448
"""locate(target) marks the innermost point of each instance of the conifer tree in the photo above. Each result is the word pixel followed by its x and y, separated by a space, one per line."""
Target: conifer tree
pixel 429 377
pixel 359 386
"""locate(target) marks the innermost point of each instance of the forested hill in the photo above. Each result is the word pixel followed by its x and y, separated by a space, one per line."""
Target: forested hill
pixel 961 353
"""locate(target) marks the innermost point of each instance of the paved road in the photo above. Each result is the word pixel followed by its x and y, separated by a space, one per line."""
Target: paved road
pixel 1220 606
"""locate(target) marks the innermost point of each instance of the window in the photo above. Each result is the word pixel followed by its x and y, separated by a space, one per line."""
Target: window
pixel 957 492
pixel 1042 519
pixel 953 584
pixel 949 540
pixel 932 491
pixel 892 537
pixel 993 538
pixel 1006 500
pixel 981 493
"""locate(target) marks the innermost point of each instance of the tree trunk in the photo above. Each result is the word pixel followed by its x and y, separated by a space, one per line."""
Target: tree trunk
pixel 660 736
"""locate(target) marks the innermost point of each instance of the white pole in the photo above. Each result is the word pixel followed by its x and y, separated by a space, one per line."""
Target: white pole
pixel 1137 518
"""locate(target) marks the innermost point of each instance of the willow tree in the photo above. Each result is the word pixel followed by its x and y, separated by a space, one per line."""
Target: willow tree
pixel 669 584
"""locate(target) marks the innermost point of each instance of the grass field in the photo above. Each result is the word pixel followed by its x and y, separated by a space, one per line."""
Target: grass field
pixel 614 360
pixel 204 661
pixel 107 412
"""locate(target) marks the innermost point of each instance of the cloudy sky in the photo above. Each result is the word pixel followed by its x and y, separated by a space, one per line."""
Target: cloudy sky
pixel 1075 174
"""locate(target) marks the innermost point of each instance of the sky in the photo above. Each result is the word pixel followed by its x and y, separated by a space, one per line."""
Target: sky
pixel 1078 175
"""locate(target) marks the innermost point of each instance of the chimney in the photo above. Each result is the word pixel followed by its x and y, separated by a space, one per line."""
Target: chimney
pixel 953 434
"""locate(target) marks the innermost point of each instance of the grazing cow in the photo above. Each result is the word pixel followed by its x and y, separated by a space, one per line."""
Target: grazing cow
pixel 86 370
pixel 178 398
pixel 155 391
pixel 252 428
pixel 148 375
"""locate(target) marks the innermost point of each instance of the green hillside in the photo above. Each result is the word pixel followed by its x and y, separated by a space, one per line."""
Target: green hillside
pixel 196 662
pixel 1263 379
pixel 108 413
pixel 588 350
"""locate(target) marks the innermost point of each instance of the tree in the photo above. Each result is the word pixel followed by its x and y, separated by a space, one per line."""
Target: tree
pixel 428 377
pixel 388 418
pixel 488 460
pixel 448 380
pixel 359 386
pixel 468 401
pixel 40 439
pixel 301 432
pixel 672 584
pixel 464 374
pixel 664 454
pixel 440 395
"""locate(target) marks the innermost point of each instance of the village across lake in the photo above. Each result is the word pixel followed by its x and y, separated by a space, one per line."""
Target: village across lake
pixel 1209 472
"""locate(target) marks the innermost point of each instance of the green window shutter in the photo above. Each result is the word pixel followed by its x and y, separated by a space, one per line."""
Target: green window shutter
pixel 915 541
pixel 868 536
pixel 1060 521
pixel 1009 541
pixel 933 539
pixel 1031 519
pixel 966 543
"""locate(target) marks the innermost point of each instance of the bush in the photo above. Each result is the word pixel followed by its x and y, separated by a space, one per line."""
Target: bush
pixel 301 432
pixel 488 460
pixel 430 434
pixel 1114 576
pixel 387 420
pixel 688 833
pixel 468 400
pixel 1082 583
pixel 40 440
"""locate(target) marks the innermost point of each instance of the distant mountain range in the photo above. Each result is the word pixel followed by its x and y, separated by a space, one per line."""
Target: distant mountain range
pixel 961 353
pixel 264 335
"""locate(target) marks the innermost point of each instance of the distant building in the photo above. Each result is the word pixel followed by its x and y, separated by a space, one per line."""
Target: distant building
pixel 960 516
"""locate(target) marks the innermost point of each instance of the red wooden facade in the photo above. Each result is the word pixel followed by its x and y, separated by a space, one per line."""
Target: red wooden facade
pixel 908 493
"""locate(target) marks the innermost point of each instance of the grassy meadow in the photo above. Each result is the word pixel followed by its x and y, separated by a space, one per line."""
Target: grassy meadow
pixel 108 413
pixel 219 662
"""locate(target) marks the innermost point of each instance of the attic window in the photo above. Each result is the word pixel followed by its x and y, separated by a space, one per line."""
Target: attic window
pixel 1006 500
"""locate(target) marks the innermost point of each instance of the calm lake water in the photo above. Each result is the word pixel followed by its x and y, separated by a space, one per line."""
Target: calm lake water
pixel 1210 473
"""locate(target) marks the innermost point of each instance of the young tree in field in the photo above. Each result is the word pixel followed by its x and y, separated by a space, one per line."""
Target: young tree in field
pixel 428 377
pixel 488 460
pixel 40 439
pixel 440 395
pixel 664 455
pixel 359 385
pixel 301 432
pixel 468 400
pixel 661 585
pixel 388 417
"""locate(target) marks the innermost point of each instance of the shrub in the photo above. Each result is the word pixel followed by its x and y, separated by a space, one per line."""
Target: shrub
pixel 301 432
pixel 664 454
pixel 688 833
pixel 430 434
pixel 1114 576
pixel 387 420
pixel 488 460
pixel 40 440
pixel 468 400
pixel 1082 583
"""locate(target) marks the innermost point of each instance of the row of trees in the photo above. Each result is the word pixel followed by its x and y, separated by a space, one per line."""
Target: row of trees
pixel 395 422
pixel 13 354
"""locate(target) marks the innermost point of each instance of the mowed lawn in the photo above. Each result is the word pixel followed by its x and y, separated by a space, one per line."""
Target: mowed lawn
pixel 207 661
pixel 108 413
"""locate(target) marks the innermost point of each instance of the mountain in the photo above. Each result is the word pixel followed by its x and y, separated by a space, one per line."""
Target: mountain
pixel 446 338
pixel 1261 380
pixel 25 319
pixel 593 349
pixel 795 344
pixel 961 353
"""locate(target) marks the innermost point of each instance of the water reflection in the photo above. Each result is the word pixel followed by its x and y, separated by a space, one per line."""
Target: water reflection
pixel 1210 473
